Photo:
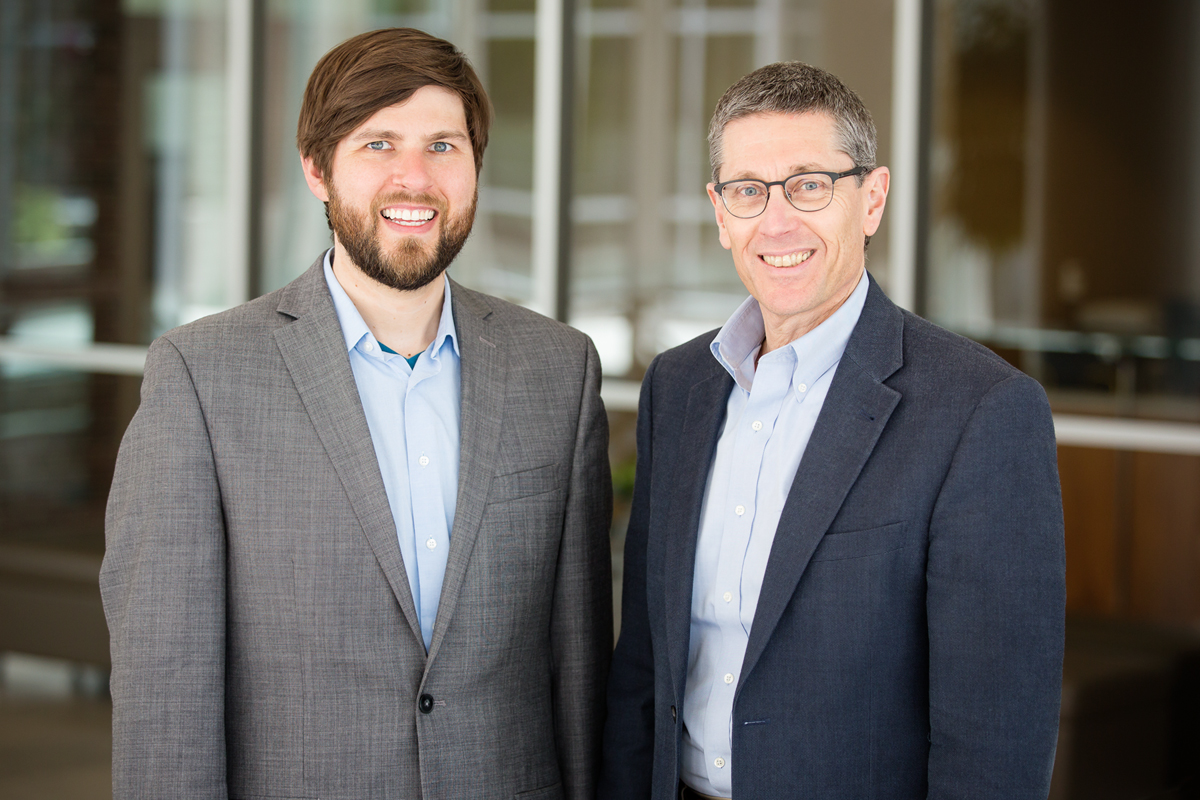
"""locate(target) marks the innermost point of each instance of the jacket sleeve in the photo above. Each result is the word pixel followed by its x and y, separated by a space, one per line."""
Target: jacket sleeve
pixel 995 603
pixel 629 731
pixel 581 621
pixel 163 586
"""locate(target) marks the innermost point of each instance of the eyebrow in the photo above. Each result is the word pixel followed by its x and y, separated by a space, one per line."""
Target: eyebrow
pixel 451 134
pixel 377 135
pixel 796 169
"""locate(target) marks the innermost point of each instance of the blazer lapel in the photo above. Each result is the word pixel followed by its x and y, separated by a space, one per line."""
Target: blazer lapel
pixel 855 412
pixel 705 411
pixel 483 389
pixel 314 352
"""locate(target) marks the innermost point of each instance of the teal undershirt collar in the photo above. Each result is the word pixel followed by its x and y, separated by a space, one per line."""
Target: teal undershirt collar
pixel 412 360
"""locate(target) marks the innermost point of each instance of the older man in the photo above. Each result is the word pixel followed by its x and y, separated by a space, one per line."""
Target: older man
pixel 844 572
pixel 358 533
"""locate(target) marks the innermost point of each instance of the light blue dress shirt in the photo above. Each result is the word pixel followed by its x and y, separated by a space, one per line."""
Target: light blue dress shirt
pixel 413 415
pixel 769 418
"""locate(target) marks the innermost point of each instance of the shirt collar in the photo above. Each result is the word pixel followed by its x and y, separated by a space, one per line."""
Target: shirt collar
pixel 815 353
pixel 354 329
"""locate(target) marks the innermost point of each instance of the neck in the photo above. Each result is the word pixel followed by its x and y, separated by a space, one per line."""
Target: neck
pixel 404 321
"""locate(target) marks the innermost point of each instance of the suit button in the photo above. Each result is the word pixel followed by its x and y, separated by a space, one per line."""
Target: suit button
pixel 672 713
pixel 425 703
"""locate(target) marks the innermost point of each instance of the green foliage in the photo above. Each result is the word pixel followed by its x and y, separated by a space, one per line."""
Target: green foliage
pixel 622 477
pixel 37 218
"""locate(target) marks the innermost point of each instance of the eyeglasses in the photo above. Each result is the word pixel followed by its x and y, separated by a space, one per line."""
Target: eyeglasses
pixel 807 191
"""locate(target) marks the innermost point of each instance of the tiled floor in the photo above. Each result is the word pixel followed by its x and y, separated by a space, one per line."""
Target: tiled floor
pixel 55 731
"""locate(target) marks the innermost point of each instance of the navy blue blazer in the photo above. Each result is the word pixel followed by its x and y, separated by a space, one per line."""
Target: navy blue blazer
pixel 908 640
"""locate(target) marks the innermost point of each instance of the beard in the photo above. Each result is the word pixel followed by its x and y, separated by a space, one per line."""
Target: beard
pixel 410 265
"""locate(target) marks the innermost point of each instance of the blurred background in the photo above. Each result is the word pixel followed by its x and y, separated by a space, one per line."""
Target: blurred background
pixel 1046 202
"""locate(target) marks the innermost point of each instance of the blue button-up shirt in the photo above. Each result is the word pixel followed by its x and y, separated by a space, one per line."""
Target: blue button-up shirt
pixel 413 415
pixel 769 418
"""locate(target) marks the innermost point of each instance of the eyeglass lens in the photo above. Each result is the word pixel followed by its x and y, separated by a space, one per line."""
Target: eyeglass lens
pixel 807 192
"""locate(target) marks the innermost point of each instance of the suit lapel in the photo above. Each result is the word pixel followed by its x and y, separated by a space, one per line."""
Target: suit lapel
pixel 705 411
pixel 314 352
pixel 855 412
pixel 483 389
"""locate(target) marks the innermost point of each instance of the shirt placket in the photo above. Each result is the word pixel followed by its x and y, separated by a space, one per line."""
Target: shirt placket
pixel 430 535
pixel 734 606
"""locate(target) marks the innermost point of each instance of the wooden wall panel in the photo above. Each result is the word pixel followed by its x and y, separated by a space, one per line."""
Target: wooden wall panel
pixel 1091 510
pixel 1164 568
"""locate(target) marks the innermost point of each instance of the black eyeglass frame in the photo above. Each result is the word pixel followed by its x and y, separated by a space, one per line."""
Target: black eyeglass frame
pixel 834 177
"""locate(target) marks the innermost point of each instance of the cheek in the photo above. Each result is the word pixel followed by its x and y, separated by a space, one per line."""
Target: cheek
pixel 353 190
pixel 839 235
pixel 457 178
pixel 465 191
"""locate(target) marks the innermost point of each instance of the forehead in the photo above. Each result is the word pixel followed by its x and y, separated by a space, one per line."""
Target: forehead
pixel 761 145
pixel 430 109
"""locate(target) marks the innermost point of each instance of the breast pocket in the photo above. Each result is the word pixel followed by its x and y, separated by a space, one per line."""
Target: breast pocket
pixel 841 545
pixel 525 483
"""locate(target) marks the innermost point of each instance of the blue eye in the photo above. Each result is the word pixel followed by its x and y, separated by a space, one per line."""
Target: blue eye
pixel 378 146
pixel 441 147
pixel 808 184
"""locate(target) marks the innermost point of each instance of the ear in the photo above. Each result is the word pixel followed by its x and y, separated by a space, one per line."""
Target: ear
pixel 314 179
pixel 875 187
pixel 719 210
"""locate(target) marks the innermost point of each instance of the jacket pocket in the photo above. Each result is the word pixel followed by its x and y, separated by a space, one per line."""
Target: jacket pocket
pixel 526 483
pixel 545 793
pixel 841 545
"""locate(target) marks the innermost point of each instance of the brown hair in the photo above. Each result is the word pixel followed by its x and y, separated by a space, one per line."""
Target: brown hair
pixel 793 87
pixel 378 69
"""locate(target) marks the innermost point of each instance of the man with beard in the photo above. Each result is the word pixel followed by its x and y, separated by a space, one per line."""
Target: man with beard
pixel 357 535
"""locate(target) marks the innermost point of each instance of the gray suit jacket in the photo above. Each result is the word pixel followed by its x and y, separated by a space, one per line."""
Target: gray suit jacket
pixel 264 639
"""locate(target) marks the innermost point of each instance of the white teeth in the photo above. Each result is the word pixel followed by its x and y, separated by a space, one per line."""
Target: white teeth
pixel 790 260
pixel 409 215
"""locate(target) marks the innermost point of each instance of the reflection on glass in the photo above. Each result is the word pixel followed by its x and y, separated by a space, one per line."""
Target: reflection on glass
pixel 1063 205
pixel 648 271
pixel 112 207
pixel 185 115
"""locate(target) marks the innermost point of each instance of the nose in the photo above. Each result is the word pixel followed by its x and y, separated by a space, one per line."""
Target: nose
pixel 410 171
pixel 780 216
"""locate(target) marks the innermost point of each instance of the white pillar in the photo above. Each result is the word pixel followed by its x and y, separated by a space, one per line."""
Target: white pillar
pixel 547 161
pixel 906 153
pixel 239 130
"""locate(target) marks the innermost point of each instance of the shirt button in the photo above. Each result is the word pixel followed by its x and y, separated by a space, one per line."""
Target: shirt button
pixel 727 597
pixel 756 425
pixel 370 346
pixel 739 510
pixel 423 461
pixel 719 763
pixel 729 677
pixel 432 543
pixel 802 387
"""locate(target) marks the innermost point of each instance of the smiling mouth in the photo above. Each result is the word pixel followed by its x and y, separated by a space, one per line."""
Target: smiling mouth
pixel 412 217
pixel 789 260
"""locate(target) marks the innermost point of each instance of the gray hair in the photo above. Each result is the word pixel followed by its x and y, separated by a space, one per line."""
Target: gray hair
pixel 793 87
